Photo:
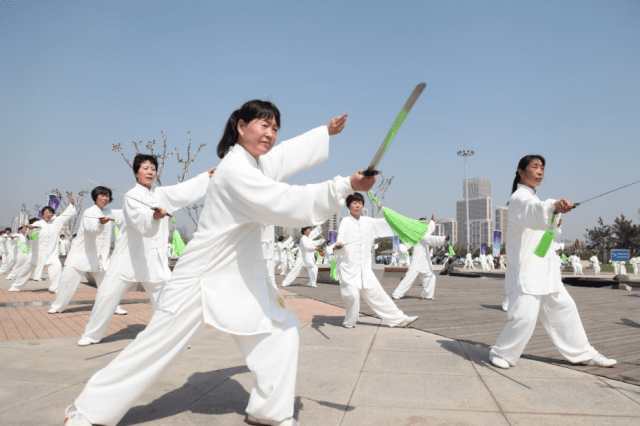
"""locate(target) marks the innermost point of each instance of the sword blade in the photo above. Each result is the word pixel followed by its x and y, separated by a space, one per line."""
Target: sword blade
pixel 125 195
pixel 371 170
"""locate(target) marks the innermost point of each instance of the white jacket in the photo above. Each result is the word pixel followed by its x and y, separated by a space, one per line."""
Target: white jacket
pixel 45 249
pixel 93 240
pixel 355 257
pixel 141 248
pixel 421 261
pixel 529 218
pixel 308 247
pixel 230 252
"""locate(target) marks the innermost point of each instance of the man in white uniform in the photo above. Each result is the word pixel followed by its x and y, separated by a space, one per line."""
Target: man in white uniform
pixel 64 245
pixel 421 265
pixel 90 248
pixel 307 257
pixel 222 278
pixel 533 283
pixel 45 249
pixel 596 264
pixel 10 245
pixel 280 259
pixel 635 261
pixel 140 254
pixel 404 256
pixel 356 236
pixel 483 262
pixel 21 253
pixel 502 258
pixel 490 263
pixel 468 261
pixel 3 245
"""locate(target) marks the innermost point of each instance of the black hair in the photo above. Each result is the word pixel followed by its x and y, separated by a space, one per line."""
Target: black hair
pixel 44 209
pixel 101 190
pixel 22 227
pixel 247 112
pixel 61 235
pixel 33 220
pixel 356 196
pixel 141 158
pixel 7 229
pixel 280 238
pixel 304 229
pixel 522 165
pixel 423 218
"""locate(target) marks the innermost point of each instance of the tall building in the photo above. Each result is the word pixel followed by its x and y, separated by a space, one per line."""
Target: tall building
pixel 480 213
pixel 332 223
pixel 449 227
pixel 501 222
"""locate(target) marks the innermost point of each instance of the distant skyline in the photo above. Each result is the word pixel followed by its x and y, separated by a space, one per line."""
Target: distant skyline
pixel 504 79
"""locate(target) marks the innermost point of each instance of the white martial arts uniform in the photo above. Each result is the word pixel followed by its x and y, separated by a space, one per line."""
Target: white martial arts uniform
pixel 490 263
pixel 11 253
pixel 140 254
pixel 306 258
pixel 404 256
pixel 483 262
pixel 596 264
pixel 394 258
pixel 89 253
pixel 468 262
pixel 502 265
pixel 63 247
pixel 535 287
pixel 635 262
pixel 421 266
pixel 328 252
pixel 281 256
pixel 3 247
pixel 623 267
pixel 21 256
pixel 222 279
pixel 356 276
pixel 44 251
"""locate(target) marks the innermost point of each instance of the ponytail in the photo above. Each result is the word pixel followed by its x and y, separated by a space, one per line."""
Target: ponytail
pixel 516 181
pixel 249 111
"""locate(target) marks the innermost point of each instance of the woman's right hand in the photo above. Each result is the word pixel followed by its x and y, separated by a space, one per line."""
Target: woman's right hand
pixel 563 206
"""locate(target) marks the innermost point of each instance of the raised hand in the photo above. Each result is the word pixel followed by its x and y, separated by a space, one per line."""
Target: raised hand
pixel 336 125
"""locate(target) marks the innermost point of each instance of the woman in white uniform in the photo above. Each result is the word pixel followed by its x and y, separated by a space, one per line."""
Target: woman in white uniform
pixel 223 276
pixel 307 258
pixel 533 283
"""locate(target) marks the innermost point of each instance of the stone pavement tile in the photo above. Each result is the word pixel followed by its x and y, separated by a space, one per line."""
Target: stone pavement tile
pixel 561 395
pixel 391 416
pixel 46 410
pixel 14 393
pixel 334 335
pixel 418 363
pixel 521 419
pixel 631 391
pixel 325 387
pixel 309 412
pixel 331 358
pixel 410 339
pixel 422 391
pixel 525 367
pixel 222 412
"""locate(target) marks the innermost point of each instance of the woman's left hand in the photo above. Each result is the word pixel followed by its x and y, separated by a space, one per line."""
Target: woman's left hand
pixel 336 125
pixel 211 171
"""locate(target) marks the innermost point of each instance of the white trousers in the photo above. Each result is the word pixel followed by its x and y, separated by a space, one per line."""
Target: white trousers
pixel 109 295
pixel 37 274
pixel 428 280
pixel 468 264
pixel 635 269
pixel 376 298
pixel 53 269
pixel 559 316
pixel 297 268
pixel 6 266
pixel 273 357
pixel 596 269
pixel 282 266
pixel 505 303
pixel 69 282
pixel 21 263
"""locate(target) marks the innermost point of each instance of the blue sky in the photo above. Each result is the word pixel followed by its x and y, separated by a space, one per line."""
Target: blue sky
pixel 505 79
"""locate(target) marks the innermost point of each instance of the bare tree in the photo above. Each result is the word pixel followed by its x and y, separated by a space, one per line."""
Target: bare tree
pixel 380 193
pixel 36 208
pixel 193 211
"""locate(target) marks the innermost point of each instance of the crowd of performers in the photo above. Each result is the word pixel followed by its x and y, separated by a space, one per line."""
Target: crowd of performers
pixel 226 275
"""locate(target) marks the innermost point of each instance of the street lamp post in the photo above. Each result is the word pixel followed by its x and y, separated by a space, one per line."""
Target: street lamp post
pixel 466 153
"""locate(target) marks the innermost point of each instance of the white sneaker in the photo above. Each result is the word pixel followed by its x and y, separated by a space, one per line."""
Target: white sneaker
pixel 74 418
pixel 255 421
pixel 85 341
pixel 394 297
pixel 52 311
pixel 120 311
pixel 13 289
pixel 499 362
pixel 348 326
pixel 408 321
pixel 601 361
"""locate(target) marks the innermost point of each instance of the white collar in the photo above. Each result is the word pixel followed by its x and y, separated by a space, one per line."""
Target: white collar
pixel 529 189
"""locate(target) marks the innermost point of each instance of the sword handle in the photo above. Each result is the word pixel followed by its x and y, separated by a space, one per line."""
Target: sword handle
pixel 369 172
pixel 155 209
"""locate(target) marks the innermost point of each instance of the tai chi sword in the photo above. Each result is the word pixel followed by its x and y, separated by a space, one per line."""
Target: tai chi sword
pixel 371 170
pixel 128 196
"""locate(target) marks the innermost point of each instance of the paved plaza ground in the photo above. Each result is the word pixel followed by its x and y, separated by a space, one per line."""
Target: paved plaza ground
pixel 435 373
